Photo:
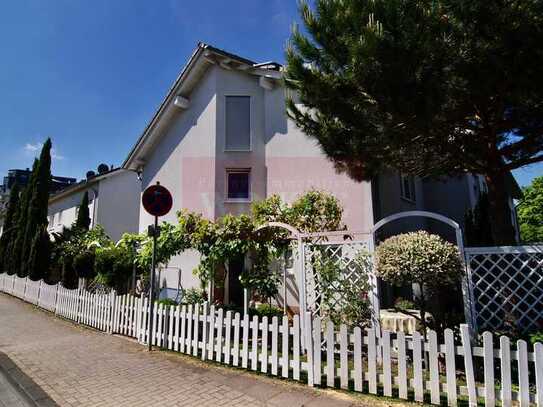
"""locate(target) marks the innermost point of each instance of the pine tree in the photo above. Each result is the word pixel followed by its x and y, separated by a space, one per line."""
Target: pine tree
pixel 429 88
pixel 83 220
pixel 9 230
pixel 16 246
pixel 37 207
pixel 40 255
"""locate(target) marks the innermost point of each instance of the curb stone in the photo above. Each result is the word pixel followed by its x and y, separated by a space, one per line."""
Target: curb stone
pixel 33 393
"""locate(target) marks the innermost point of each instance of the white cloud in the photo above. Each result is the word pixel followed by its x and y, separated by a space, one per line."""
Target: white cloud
pixel 34 148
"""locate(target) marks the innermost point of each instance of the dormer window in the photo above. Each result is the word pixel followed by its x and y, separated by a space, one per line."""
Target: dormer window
pixel 238 123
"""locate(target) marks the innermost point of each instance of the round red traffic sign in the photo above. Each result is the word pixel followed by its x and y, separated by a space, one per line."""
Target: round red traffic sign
pixel 157 200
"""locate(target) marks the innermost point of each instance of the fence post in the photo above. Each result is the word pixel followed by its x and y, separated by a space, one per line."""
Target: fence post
pixel 309 348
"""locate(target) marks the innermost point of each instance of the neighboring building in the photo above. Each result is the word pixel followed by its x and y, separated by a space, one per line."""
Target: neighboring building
pixel 114 196
pixel 21 177
pixel 221 139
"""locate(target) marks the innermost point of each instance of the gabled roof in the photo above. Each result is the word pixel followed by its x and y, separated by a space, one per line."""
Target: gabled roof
pixel 83 184
pixel 201 59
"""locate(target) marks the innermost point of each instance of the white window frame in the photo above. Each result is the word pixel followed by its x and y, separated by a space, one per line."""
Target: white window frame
pixel 249 192
pixel 250 149
pixel 411 182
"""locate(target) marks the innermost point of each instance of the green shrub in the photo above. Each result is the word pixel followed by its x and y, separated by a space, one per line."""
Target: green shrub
pixel 404 304
pixel 167 302
pixel 270 311
pixel 84 264
pixel 194 296
pixel 536 337
pixel 430 262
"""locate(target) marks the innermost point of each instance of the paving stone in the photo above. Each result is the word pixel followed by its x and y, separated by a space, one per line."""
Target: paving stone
pixel 82 367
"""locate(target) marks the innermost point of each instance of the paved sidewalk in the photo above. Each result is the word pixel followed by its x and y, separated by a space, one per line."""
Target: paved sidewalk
pixel 76 366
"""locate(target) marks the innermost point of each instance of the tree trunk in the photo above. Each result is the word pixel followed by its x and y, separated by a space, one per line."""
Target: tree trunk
pixel 501 226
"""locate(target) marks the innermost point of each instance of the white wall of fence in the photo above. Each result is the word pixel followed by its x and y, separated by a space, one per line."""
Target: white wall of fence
pixel 390 364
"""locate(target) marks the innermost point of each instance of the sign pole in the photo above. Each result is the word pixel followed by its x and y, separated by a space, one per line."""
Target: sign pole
pixel 157 201
pixel 152 286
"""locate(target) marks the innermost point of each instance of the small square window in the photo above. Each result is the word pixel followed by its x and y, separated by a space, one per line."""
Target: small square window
pixel 407 185
pixel 238 185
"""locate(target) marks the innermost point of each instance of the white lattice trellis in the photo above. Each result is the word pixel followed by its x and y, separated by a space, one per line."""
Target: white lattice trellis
pixel 506 287
pixel 342 254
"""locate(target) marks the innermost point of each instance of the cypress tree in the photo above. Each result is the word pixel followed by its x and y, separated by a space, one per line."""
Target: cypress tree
pixel 16 246
pixel 40 255
pixel 83 218
pixel 38 202
pixel 9 230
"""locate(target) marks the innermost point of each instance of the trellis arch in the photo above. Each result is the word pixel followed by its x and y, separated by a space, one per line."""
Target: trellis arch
pixel 459 242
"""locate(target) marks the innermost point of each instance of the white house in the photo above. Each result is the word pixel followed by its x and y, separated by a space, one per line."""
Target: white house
pixel 221 139
pixel 114 197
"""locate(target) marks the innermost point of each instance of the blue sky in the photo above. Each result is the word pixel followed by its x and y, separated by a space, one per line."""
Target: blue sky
pixel 91 74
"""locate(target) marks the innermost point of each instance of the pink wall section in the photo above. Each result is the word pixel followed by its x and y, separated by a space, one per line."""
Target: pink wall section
pixel 198 185
pixel 203 185
pixel 291 176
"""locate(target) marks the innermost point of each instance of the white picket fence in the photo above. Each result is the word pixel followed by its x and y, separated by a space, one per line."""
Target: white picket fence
pixel 391 364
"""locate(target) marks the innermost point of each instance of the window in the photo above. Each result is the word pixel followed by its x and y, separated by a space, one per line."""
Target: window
pixel 407 185
pixel 238 185
pixel 238 123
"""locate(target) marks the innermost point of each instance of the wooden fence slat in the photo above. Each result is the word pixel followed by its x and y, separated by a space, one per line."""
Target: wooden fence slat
pixel 505 369
pixel 170 326
pixel 211 334
pixel 538 358
pixel 235 353
pixel 274 344
pixel 205 330
pixel 402 366
pixel 183 343
pixel 220 322
pixel 317 351
pixel 188 339
pixel 433 359
pixel 254 343
pixel 245 346
pixel 523 383
pixel 227 337
pixel 343 357
pixel 264 349
pixel 387 364
pixel 358 375
pixel 176 328
pixel 160 329
pixel 488 352
pixel 468 364
pixel 296 348
pixel 309 346
pixel 372 361
pixel 450 367
pixel 285 360
pixel 418 382
pixel 330 347
pixel 196 329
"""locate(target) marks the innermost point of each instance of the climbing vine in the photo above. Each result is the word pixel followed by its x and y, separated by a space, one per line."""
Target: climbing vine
pixel 233 237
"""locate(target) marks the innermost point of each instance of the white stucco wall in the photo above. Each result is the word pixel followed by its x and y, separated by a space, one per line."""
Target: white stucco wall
pixel 113 204
pixel 62 212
